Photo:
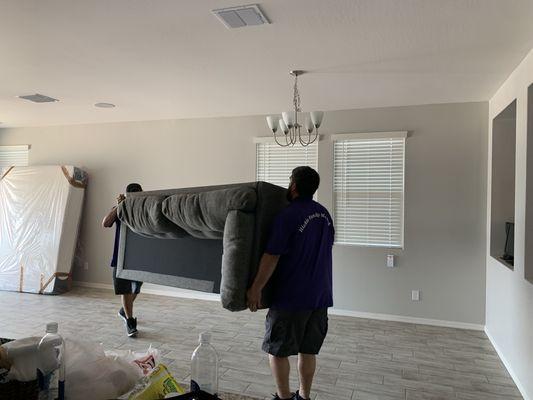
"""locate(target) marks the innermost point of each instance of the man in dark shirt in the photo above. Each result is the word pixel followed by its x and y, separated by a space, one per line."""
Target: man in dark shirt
pixel 124 287
pixel 298 260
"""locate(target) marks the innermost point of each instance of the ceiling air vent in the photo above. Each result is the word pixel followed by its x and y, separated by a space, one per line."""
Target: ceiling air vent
pixel 237 17
pixel 38 98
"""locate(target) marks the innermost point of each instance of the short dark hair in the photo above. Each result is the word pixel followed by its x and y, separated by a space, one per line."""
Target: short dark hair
pixel 306 180
pixel 133 187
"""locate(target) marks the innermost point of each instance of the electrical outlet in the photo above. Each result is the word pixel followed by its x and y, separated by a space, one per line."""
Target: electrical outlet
pixel 86 265
pixel 391 261
pixel 415 295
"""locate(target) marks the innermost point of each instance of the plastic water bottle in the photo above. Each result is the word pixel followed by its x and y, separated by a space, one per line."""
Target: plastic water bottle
pixel 51 367
pixel 204 366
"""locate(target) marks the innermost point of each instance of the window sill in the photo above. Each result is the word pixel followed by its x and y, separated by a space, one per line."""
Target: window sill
pixel 368 246
pixel 506 263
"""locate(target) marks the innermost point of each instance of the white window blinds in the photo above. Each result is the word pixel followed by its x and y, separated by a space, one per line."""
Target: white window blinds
pixel 274 163
pixel 14 156
pixel 369 189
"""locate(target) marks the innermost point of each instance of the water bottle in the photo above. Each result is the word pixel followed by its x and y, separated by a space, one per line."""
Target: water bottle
pixel 51 369
pixel 204 366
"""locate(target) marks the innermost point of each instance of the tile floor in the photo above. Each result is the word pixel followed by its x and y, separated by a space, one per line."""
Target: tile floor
pixel 362 359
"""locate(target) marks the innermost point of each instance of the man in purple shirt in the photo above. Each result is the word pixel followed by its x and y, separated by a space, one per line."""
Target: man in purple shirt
pixel 298 261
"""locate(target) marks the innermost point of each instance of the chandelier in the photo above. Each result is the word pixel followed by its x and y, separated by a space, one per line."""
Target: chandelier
pixel 289 123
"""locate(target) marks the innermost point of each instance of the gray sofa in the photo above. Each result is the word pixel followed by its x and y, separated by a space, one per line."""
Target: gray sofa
pixel 194 237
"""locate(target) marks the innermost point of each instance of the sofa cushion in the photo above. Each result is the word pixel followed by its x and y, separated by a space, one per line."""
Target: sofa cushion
pixel 143 215
pixel 203 215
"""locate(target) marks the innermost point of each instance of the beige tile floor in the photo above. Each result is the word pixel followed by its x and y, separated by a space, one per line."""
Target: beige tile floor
pixel 361 359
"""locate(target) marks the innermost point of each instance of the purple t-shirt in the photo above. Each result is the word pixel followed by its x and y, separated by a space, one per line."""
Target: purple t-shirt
pixel 302 234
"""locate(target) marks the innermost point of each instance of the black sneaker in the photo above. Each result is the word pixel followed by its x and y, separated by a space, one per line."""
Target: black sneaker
pixel 131 327
pixel 122 314
pixel 298 397
pixel 276 397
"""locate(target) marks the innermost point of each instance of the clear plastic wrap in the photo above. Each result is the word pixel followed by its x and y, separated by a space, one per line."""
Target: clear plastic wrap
pixel 40 210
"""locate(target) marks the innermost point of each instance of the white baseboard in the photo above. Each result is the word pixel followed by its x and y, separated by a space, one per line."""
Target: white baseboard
pixel 93 285
pixel 519 385
pixel 192 294
pixel 150 288
pixel 410 320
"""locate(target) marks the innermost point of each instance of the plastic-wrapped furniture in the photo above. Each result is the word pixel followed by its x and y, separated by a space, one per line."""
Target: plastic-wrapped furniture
pixel 206 238
pixel 40 212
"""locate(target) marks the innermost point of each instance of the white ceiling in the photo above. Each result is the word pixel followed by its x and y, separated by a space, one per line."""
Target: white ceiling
pixel 163 59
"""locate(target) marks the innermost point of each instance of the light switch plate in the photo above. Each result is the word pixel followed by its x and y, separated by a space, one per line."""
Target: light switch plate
pixel 391 261
pixel 415 295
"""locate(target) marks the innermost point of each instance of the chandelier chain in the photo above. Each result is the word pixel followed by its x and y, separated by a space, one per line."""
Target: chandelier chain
pixel 296 96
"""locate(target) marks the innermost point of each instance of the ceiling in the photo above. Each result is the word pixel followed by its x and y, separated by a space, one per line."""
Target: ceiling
pixel 166 59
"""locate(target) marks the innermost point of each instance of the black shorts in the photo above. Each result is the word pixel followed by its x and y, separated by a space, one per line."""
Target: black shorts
pixel 291 332
pixel 125 286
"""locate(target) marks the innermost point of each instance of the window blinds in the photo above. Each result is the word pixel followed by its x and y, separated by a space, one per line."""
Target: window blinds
pixel 14 156
pixel 274 163
pixel 369 190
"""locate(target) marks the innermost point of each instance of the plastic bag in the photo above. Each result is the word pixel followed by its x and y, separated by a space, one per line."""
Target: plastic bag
pixel 22 359
pixel 89 370
pixel 145 361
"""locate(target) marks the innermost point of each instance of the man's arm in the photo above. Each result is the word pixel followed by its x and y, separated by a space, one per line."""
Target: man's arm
pixel 110 218
pixel 266 269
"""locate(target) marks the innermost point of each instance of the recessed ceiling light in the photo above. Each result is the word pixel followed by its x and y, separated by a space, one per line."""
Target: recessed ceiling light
pixel 104 105
pixel 38 98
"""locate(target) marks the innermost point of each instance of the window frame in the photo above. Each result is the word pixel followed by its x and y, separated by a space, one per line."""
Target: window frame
pixel 370 136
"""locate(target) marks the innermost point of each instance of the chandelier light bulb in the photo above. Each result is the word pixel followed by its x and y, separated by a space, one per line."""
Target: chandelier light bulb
pixel 316 118
pixel 283 126
pixel 272 123
pixel 309 125
pixel 288 118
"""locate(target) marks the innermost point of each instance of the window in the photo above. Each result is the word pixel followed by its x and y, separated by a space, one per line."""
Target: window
pixel 368 189
pixel 14 156
pixel 274 163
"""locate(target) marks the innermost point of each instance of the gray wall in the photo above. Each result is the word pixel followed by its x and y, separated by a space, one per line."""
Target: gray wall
pixel 445 223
